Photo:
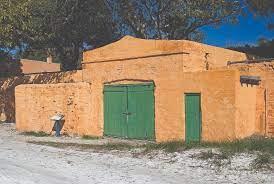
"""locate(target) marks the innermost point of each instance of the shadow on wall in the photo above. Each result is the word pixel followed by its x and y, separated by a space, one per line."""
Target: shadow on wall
pixel 7 87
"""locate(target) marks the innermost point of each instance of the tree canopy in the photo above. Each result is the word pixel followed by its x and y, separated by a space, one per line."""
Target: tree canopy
pixel 264 49
pixel 8 66
pixel 58 27
pixel 171 19
pixel 263 8
pixel 63 28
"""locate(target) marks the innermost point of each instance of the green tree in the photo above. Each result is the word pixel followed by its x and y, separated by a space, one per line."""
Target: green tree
pixel 171 19
pixel 57 27
pixel 264 49
pixel 63 28
pixel 69 24
pixel 15 23
pixel 263 8
pixel 8 66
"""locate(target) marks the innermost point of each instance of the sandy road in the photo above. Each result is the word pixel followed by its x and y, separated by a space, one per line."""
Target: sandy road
pixel 24 163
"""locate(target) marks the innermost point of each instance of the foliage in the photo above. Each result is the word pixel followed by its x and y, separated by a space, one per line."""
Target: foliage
pixel 171 19
pixel 264 49
pixel 39 55
pixel 64 28
pixel 16 27
pixel 69 24
pixel 8 66
pixel 59 28
pixel 263 8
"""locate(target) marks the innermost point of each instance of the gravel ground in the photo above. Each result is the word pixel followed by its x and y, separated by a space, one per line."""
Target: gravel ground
pixel 25 163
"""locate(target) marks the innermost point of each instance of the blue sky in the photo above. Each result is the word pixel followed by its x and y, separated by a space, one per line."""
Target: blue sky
pixel 247 31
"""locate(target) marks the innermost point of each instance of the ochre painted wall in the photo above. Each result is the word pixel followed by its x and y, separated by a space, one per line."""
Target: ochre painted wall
pixel 43 101
pixel 169 65
pixel 7 86
pixel 216 87
pixel 229 110
pixel 32 66
pixel 270 113
pixel 245 124
pixel 264 97
pixel 195 55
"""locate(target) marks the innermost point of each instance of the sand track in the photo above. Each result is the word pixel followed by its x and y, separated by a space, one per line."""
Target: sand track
pixel 24 163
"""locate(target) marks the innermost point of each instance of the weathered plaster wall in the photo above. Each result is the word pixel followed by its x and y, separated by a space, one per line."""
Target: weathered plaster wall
pixel 229 110
pixel 7 86
pixel 270 113
pixel 261 118
pixel 42 101
pixel 194 55
pixel 264 98
pixel 165 63
pixel 32 66
pixel 245 111
pixel 216 87
pixel 217 103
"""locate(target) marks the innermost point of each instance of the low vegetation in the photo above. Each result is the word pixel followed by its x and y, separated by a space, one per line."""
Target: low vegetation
pixel 88 137
pixel 218 159
pixel 170 147
pixel 262 161
pixel 35 134
pixel 98 147
pixel 252 144
pixel 218 154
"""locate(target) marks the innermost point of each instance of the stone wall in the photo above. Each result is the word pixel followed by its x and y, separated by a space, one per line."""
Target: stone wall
pixel 7 86
pixel 42 101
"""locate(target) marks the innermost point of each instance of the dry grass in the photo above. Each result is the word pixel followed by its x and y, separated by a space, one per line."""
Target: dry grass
pixel 36 134
pixel 106 147
pixel 253 144
pixel 88 137
pixel 262 161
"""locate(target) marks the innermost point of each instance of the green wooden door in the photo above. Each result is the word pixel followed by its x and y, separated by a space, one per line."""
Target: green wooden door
pixel 115 104
pixel 129 111
pixel 193 117
pixel 141 109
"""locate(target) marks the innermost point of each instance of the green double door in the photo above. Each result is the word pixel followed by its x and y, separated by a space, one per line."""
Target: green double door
pixel 129 111
pixel 193 117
